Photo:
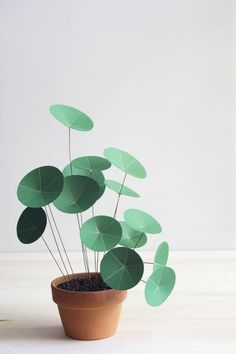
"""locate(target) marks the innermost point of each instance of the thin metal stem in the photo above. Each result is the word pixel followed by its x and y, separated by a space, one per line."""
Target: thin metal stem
pixel 148 262
pixel 85 250
pixel 70 151
pixel 86 257
pixel 95 258
pixel 77 215
pixel 55 240
pixel 97 261
pixel 53 257
pixel 59 235
pixel 119 194
pixel 87 260
pixel 94 252
pixel 143 281
pixel 138 240
pixel 71 170
pixel 117 203
pixel 82 246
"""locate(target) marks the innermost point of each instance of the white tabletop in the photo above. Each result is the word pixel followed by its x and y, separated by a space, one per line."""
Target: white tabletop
pixel 199 317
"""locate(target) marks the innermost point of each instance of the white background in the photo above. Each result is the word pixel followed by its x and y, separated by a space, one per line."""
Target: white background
pixel 157 79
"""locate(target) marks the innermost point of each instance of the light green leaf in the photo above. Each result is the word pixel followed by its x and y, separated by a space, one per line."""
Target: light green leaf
pixel 118 188
pixel 159 286
pixel 131 237
pixel 40 187
pixel 31 225
pixel 125 162
pixel 71 117
pixel 142 221
pixel 101 233
pixel 91 163
pixel 121 268
pixel 161 255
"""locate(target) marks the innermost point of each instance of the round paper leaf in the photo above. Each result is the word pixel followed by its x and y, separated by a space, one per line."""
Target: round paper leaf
pixel 95 175
pixel 131 237
pixel 121 268
pixel 142 221
pixel 40 186
pixel 79 194
pixel 125 162
pixel 118 188
pixel 159 286
pixel 31 225
pixel 161 255
pixel 101 233
pixel 71 117
pixel 91 163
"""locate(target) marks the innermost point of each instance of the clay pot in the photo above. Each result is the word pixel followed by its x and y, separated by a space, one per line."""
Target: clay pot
pixel 88 315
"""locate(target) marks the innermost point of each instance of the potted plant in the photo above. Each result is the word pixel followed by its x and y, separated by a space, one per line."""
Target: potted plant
pixel 89 302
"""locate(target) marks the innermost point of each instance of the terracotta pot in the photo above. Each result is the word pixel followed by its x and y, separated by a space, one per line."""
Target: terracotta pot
pixel 88 315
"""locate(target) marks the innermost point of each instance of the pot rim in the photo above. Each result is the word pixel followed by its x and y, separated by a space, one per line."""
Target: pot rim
pixel 85 299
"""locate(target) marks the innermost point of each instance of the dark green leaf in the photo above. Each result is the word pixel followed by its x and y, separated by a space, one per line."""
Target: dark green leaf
pixel 40 186
pixel 121 268
pixel 79 194
pixel 31 225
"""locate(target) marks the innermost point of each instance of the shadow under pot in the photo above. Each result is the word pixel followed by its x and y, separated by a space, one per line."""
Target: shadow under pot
pixel 87 315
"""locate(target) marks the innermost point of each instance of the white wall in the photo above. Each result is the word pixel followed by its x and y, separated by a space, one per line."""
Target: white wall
pixel 155 76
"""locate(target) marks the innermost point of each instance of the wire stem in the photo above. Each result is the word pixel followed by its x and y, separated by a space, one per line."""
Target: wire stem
pixel 53 257
pixel 119 194
pixel 97 261
pixel 55 240
pixel 138 240
pixel 59 235
pixel 69 142
pixel 82 246
pixel 84 251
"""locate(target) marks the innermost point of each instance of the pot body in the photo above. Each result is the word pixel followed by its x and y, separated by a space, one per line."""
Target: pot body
pixel 88 315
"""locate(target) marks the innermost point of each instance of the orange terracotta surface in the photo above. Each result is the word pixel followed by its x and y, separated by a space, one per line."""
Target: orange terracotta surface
pixel 88 315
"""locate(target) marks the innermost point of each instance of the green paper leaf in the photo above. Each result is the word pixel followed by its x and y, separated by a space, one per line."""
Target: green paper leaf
pixel 118 188
pixel 161 255
pixel 101 233
pixel 31 225
pixel 71 117
pixel 131 237
pixel 125 162
pixel 95 175
pixel 91 163
pixel 142 221
pixel 40 186
pixel 121 268
pixel 79 194
pixel 159 286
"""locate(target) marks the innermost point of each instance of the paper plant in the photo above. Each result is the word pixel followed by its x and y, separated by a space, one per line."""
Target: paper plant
pixel 76 189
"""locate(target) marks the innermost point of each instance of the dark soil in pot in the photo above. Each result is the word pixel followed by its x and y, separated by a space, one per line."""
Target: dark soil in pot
pixel 93 283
